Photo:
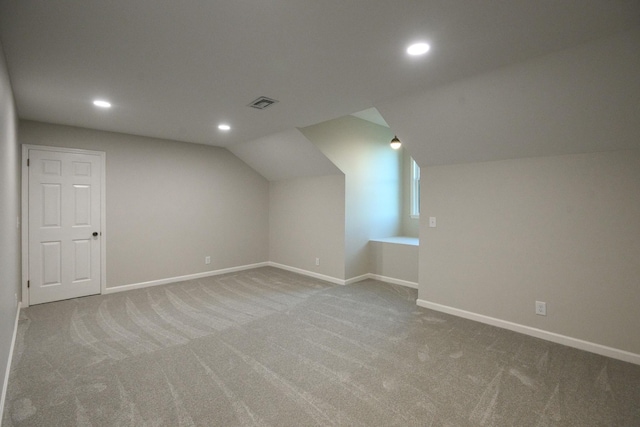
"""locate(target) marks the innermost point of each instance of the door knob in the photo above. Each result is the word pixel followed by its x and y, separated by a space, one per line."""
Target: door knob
pixel 95 234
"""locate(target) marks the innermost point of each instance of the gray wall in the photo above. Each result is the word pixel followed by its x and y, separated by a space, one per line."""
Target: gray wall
pixel 373 189
pixel 395 260
pixel 563 228
pixel 307 221
pixel 9 212
pixel 170 204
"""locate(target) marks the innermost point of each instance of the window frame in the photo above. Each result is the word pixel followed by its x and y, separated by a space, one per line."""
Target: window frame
pixel 414 206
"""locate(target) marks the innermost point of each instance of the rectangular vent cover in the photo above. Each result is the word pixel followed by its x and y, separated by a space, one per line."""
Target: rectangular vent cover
pixel 262 102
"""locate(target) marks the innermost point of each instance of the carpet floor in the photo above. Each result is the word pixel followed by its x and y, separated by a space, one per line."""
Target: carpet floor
pixel 266 347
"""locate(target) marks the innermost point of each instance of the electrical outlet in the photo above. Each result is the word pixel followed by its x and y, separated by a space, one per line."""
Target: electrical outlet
pixel 432 222
pixel 541 308
pixel 317 261
pixel 207 260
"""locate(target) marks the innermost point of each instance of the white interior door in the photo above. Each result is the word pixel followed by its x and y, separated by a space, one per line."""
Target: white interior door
pixel 64 225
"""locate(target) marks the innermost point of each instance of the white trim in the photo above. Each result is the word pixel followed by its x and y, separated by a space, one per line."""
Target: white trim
pixel 400 282
pixel 538 333
pixel 159 282
pixel 25 213
pixel 414 208
pixel 342 281
pixel 8 370
pixel 357 279
pixel 307 273
pixel 398 240
pixel 25 227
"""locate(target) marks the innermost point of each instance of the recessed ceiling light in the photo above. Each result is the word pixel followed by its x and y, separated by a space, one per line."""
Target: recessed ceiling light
pixel 224 127
pixel 417 49
pixel 102 103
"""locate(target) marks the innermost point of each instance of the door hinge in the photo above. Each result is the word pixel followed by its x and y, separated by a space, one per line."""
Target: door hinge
pixel 28 283
pixel 28 161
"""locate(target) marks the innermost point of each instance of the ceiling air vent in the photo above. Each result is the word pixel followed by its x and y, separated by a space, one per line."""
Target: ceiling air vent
pixel 262 103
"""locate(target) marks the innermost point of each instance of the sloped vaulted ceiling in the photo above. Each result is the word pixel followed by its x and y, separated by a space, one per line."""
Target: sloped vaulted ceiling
pixel 582 99
pixel 176 69
pixel 284 155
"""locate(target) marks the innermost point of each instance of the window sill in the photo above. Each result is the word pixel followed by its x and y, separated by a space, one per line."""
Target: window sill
pixel 399 240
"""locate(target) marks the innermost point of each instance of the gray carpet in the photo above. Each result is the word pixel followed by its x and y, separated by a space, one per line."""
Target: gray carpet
pixel 266 347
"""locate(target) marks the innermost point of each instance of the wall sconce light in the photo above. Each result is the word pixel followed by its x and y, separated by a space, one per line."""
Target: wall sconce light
pixel 395 143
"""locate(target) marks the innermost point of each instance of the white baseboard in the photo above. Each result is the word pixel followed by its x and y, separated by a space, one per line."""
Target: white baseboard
pixel 357 279
pixel 400 282
pixel 8 370
pixel 538 333
pixel 315 275
pixel 182 278
pixel 347 281
pixel 308 273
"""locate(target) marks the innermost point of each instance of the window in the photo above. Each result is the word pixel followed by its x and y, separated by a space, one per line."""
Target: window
pixel 415 190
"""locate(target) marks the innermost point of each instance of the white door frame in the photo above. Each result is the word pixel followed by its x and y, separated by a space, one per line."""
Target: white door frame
pixel 25 214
